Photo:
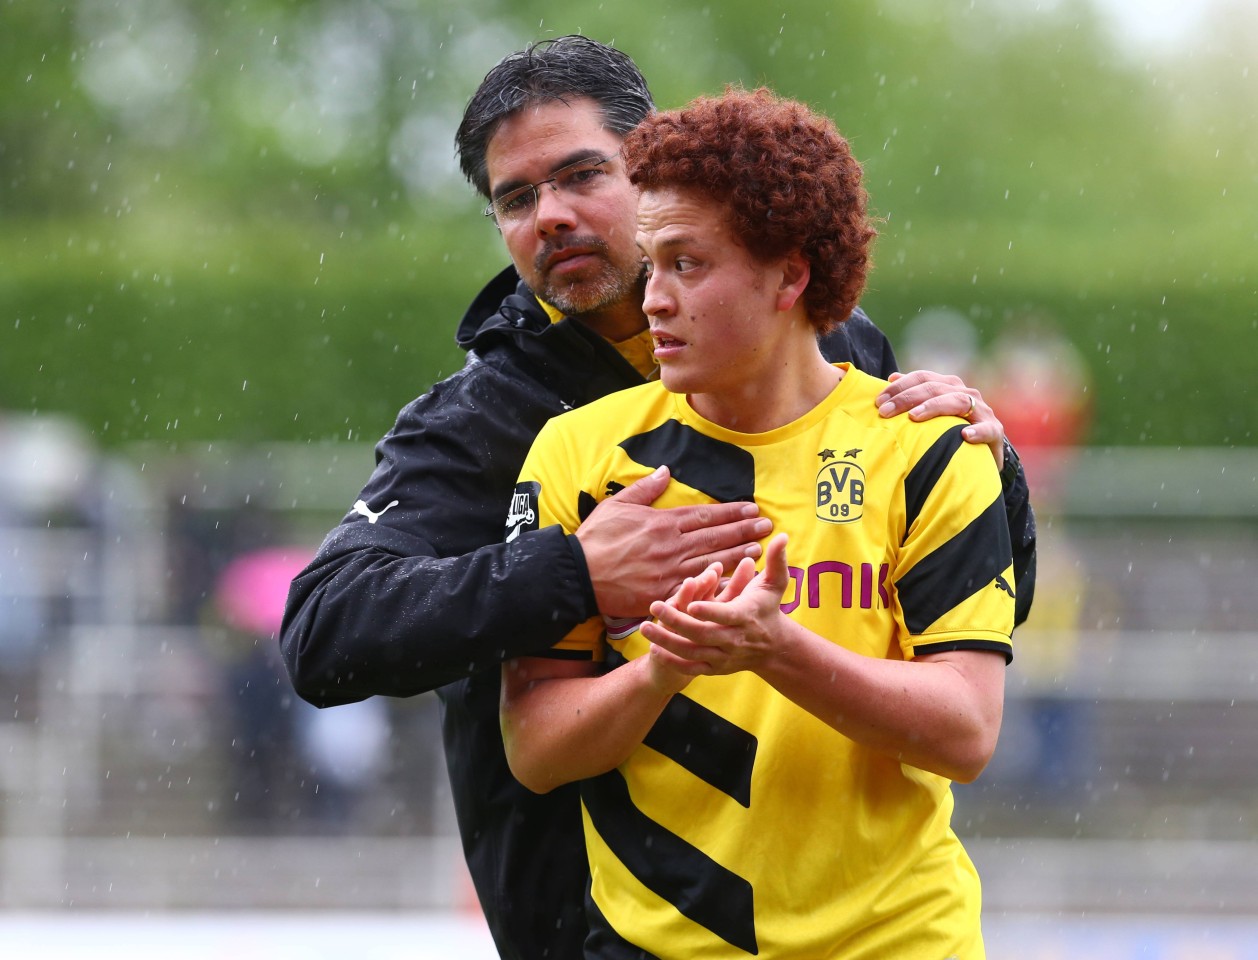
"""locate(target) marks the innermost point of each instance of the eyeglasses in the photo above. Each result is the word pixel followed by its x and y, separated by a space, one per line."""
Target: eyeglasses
pixel 582 177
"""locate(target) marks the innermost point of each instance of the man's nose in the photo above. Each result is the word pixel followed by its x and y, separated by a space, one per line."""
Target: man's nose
pixel 554 210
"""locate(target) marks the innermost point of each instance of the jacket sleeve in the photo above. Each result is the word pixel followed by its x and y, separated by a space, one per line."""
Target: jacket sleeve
pixel 366 618
pixel 859 341
pixel 426 592
pixel 1021 533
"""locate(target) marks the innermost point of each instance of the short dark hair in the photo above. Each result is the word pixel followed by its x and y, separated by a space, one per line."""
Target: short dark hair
pixel 786 177
pixel 572 66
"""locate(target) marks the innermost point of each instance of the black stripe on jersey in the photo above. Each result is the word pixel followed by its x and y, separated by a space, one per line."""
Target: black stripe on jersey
pixel 724 472
pixel 926 473
pixel 956 570
pixel 553 654
pixel 603 941
pixel 585 505
pixel 709 746
pixel 1006 649
pixel 720 753
pixel 699 887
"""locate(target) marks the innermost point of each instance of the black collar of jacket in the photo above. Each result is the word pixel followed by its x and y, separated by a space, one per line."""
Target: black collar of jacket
pixel 571 359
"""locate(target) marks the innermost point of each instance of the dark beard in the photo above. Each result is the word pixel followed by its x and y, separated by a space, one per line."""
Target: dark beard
pixel 608 289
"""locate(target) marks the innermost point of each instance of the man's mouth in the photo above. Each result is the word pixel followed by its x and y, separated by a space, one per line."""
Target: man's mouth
pixel 567 257
pixel 551 259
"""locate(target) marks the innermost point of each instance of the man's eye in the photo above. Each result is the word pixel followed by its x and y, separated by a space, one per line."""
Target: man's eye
pixel 583 175
pixel 515 203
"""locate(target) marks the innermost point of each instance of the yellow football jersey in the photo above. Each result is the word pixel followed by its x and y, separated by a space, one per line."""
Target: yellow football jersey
pixel 743 825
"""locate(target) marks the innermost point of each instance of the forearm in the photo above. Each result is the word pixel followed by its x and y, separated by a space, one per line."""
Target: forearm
pixel 941 713
pixel 376 618
pixel 559 729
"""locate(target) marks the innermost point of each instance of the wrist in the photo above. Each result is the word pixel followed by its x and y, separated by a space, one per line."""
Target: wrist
pixel 584 577
pixel 662 679
pixel 801 656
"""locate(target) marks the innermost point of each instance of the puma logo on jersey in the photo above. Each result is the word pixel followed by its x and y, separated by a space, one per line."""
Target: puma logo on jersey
pixel 360 507
pixel 1003 584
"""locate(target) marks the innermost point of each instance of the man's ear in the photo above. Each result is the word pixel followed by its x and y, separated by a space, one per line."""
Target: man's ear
pixel 796 272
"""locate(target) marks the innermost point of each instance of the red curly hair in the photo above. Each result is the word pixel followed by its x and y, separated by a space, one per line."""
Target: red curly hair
pixel 786 177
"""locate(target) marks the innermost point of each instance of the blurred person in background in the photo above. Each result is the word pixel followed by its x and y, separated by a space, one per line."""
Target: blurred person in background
pixel 240 621
pixel 415 590
pixel 47 465
pixel 289 762
pixel 1039 378
pixel 23 619
pixel 1042 384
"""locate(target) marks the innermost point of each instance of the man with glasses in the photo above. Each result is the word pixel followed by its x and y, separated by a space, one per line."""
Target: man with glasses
pixel 580 177
pixel 426 595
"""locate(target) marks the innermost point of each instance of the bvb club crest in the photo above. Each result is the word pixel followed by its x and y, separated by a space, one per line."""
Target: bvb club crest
pixel 840 487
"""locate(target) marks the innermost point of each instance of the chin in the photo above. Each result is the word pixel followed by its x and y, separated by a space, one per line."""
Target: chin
pixel 579 296
pixel 672 382
pixel 677 382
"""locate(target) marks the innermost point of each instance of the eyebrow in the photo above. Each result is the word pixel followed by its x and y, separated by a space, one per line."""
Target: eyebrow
pixel 677 240
pixel 576 156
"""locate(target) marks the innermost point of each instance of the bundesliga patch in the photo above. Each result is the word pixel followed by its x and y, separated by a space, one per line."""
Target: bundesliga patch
pixel 523 513
pixel 840 487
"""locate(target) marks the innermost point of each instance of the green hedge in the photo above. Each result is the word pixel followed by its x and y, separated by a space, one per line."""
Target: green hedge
pixel 293 331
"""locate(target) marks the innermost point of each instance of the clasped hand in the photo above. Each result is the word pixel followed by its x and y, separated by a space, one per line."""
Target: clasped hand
pixel 710 627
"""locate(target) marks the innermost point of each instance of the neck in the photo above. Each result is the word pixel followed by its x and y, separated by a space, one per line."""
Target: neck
pixel 618 322
pixel 793 383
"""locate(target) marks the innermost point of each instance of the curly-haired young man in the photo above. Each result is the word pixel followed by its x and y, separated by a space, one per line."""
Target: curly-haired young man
pixel 765 769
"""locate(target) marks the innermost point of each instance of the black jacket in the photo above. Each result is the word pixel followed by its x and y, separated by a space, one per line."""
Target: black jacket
pixel 423 594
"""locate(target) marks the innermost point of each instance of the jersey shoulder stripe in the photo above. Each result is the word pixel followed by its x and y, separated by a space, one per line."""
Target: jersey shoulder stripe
pixel 956 570
pixel 926 472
